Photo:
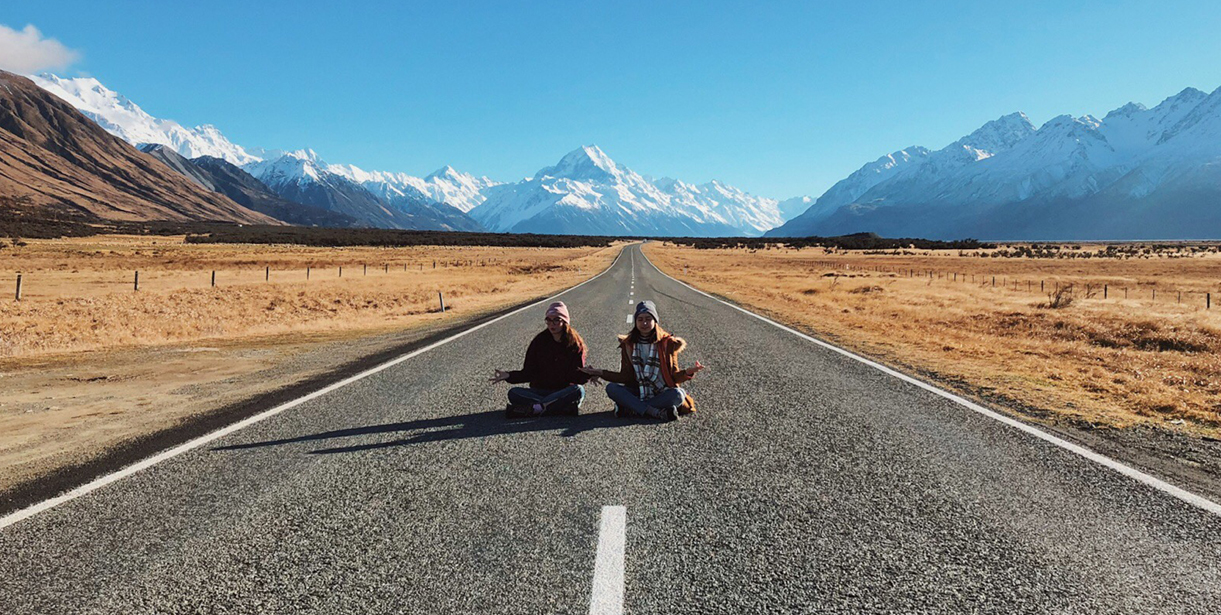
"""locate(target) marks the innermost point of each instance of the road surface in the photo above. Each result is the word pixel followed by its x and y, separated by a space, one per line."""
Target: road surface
pixel 806 482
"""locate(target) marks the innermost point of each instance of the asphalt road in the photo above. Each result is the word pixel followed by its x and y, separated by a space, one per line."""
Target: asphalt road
pixel 806 482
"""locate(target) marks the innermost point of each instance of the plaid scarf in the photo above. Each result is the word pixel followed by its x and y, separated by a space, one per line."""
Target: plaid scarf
pixel 647 365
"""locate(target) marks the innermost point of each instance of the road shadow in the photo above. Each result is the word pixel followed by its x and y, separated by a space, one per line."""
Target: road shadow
pixel 461 427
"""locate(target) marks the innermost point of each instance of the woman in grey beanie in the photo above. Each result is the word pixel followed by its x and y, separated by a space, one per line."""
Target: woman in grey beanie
pixel 647 383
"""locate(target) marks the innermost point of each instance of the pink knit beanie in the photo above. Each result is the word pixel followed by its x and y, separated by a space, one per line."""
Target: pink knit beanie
pixel 558 309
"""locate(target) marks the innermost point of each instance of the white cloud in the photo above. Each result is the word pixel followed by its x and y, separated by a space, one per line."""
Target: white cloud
pixel 25 51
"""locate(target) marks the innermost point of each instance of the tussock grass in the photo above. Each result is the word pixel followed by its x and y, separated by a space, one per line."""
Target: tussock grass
pixel 78 293
pixel 1115 361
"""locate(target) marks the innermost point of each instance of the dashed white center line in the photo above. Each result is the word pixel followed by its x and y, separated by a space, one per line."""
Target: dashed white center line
pixel 629 317
pixel 607 595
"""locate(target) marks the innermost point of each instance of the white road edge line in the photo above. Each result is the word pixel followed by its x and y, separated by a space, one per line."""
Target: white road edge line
pixel 1120 467
pixel 607 595
pixel 117 475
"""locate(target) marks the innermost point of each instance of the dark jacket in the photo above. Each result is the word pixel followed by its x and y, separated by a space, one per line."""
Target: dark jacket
pixel 550 365
pixel 668 348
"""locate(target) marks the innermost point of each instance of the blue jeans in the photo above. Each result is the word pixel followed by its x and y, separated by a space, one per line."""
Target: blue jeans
pixel 629 397
pixel 567 398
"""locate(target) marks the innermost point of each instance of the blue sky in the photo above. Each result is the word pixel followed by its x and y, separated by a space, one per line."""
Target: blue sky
pixel 778 98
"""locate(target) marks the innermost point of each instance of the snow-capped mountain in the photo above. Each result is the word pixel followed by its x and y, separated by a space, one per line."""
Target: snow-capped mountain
pixel 1137 173
pixel 588 193
pixel 221 176
pixel 126 120
pixel 303 177
pixel 750 214
pixel 446 185
pixel 123 118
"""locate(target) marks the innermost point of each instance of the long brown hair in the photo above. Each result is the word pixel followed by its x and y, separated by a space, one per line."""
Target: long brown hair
pixel 572 339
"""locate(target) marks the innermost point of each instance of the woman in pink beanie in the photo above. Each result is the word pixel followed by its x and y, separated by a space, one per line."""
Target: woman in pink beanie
pixel 552 367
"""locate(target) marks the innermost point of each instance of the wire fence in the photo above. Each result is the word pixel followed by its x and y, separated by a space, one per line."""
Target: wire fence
pixel 1056 288
pixel 136 280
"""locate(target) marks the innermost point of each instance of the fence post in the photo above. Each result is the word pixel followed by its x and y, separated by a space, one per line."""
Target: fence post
pixel 441 298
pixel 366 269
pixel 137 282
pixel 307 272
pixel 213 279
pixel 267 275
pixel 993 281
pixel 434 264
pixel 1104 291
pixel 341 271
pixel 1208 301
pixel 386 268
pixel 19 287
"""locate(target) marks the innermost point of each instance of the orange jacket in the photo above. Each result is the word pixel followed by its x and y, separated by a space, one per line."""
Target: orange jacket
pixel 668 348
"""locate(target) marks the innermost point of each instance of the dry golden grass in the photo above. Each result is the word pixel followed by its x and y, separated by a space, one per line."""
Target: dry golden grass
pixel 1112 361
pixel 87 363
pixel 78 294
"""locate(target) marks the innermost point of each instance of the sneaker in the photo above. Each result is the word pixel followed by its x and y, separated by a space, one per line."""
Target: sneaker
pixel 516 411
pixel 667 414
pixel 621 412
pixel 671 414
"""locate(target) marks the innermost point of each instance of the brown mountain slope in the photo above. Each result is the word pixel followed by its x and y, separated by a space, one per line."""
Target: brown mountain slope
pixel 54 159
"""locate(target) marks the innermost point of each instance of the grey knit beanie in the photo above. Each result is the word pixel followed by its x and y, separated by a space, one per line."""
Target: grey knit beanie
pixel 647 307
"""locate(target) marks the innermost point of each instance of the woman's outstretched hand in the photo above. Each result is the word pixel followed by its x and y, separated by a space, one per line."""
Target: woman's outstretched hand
pixel 500 376
pixel 592 371
pixel 694 369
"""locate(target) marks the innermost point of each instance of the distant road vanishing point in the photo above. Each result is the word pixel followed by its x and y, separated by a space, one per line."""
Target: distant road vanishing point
pixel 808 481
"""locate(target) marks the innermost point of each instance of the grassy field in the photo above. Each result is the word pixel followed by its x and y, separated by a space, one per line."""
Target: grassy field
pixel 79 294
pixel 1102 340
pixel 87 362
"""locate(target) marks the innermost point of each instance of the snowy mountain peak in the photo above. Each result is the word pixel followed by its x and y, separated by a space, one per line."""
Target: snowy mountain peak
pixel 305 154
pixel 290 167
pixel 124 119
pixel 1187 96
pixel 1002 132
pixel 588 193
pixel 1067 123
pixel 1127 110
pixel 445 171
pixel 584 163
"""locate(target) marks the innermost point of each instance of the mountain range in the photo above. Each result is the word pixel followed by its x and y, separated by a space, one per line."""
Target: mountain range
pixel 54 159
pixel 1138 173
pixel 588 193
pixel 126 120
pixel 352 196
pixel 219 175
pixel 617 201
pixel 303 177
